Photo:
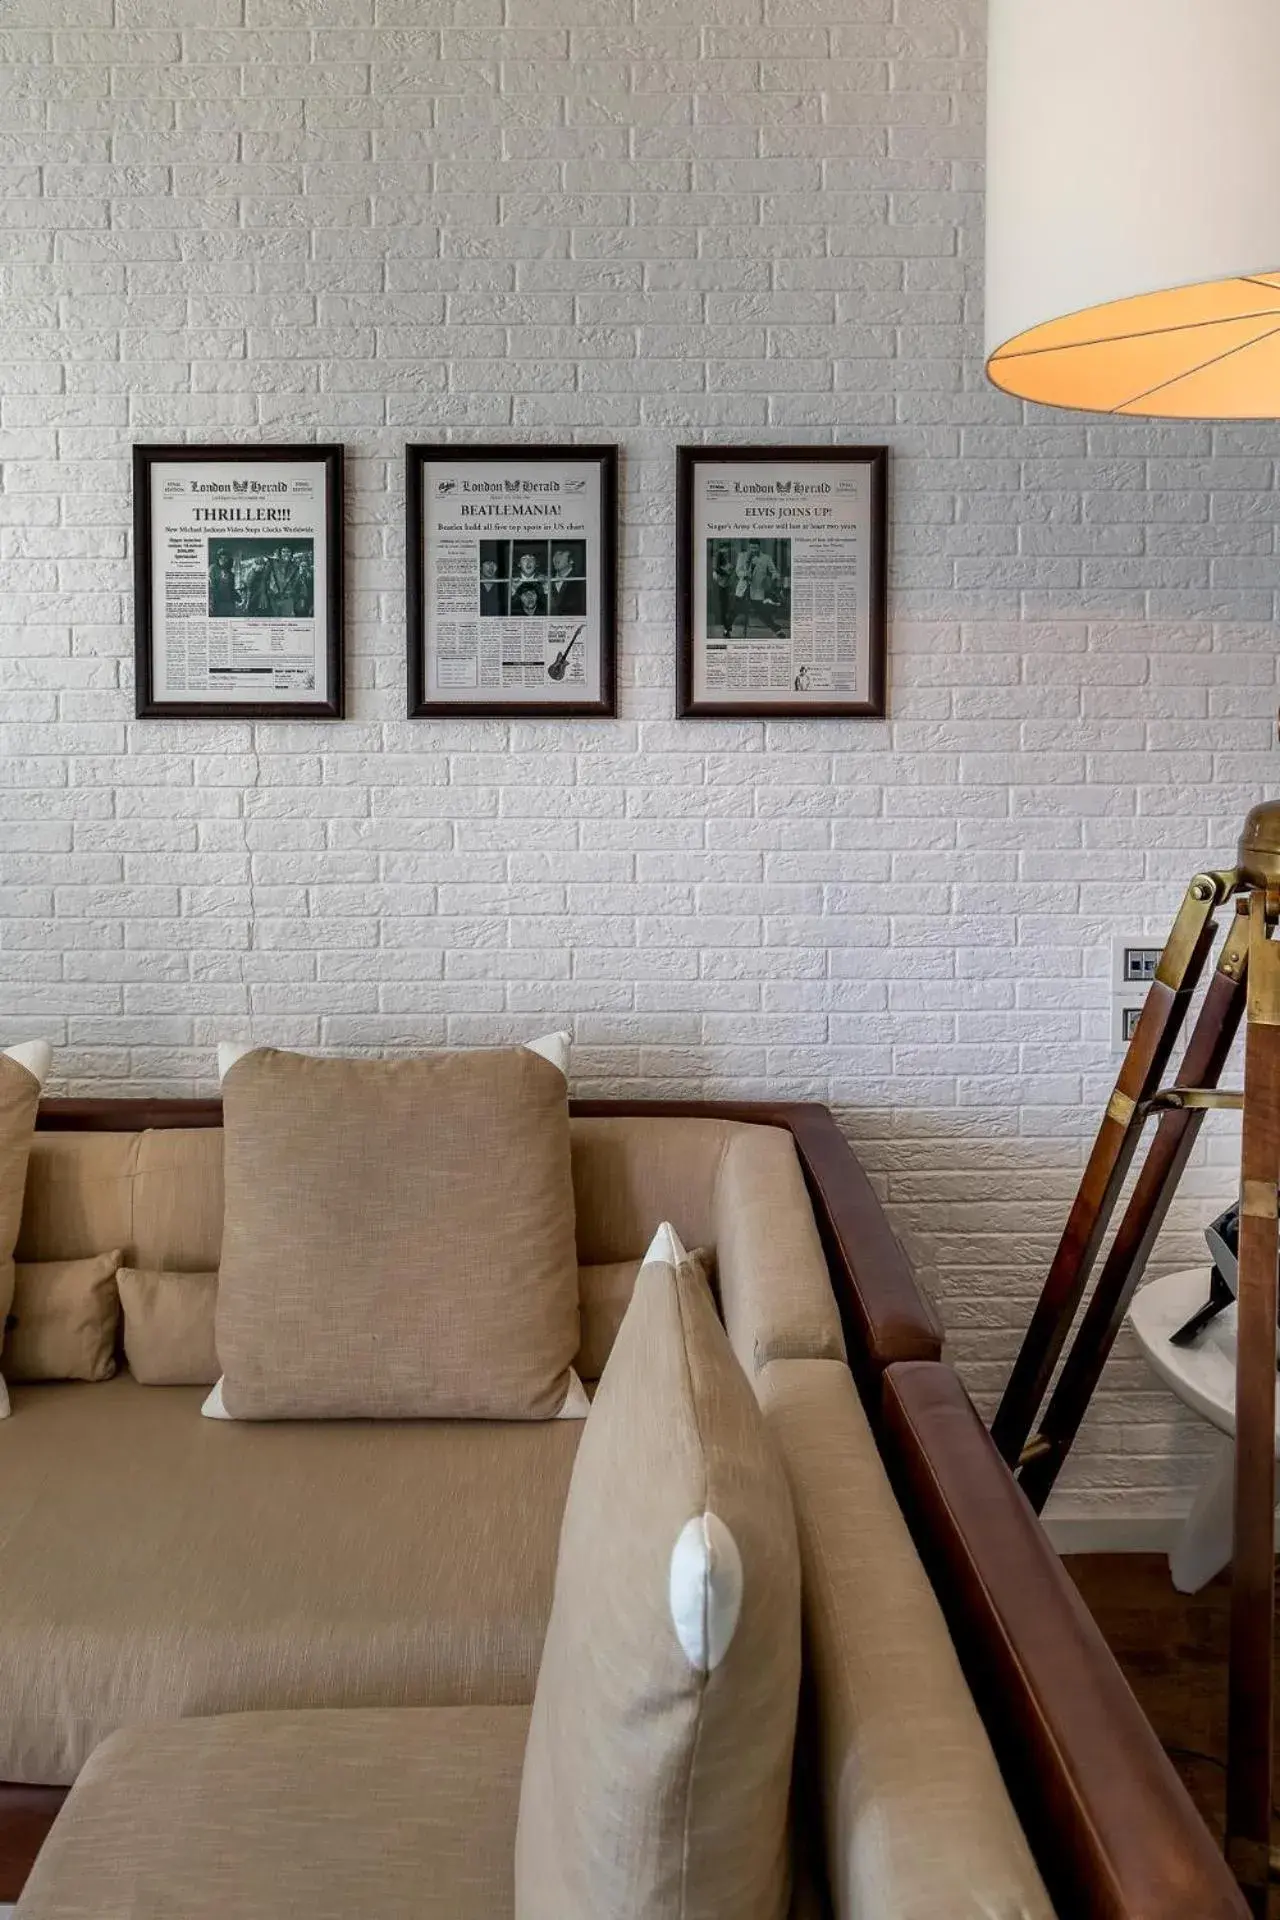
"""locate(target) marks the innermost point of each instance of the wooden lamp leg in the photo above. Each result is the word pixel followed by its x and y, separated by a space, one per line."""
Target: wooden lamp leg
pixel 1251 1683
pixel 1206 1055
pixel 1163 1012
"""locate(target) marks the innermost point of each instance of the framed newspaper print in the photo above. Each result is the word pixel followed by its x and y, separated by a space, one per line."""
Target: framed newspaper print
pixel 511 579
pixel 780 580
pixel 238 581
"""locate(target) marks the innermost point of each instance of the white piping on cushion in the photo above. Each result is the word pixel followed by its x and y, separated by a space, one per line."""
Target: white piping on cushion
pixel 576 1404
pixel 35 1055
pixel 553 1047
pixel 214 1407
pixel 705 1589
pixel 229 1051
pixel 666 1249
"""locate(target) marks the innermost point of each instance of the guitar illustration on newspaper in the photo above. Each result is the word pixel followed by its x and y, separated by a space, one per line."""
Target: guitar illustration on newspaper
pixel 556 670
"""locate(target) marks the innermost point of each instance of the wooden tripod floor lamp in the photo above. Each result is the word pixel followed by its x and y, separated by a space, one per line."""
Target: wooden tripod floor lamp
pixel 1133 269
pixel 1245 981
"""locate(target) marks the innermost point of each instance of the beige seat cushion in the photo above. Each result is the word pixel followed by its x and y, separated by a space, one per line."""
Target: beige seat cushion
pixel 657 1773
pixel 63 1321
pixel 398 1239
pixel 405 1815
pixel 158 1564
pixel 169 1326
pixel 400 1814
pixel 918 1822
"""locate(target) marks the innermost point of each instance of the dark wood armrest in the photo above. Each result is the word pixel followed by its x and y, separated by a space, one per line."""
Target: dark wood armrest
pixel 26 1815
pixel 884 1314
pixel 1112 1827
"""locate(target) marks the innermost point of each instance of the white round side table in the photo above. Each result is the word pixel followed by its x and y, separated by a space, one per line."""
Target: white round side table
pixel 1204 1377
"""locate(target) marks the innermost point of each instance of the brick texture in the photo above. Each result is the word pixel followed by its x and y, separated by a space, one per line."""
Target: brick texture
pixel 373 220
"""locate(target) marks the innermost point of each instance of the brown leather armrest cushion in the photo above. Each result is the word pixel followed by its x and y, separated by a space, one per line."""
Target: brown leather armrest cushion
pixel 1113 1829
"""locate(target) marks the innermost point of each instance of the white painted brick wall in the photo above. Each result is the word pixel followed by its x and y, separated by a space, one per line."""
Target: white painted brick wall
pixel 373 220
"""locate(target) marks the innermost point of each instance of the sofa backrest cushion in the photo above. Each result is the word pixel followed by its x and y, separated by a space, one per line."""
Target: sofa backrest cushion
pixel 658 1764
pixel 634 1170
pixel 604 1294
pixel 398 1238
pixel 731 1186
pixel 170 1340
pixel 19 1099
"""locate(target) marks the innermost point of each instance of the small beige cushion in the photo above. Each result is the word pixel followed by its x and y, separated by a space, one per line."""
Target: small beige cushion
pixel 657 1773
pixel 918 1821
pixel 393 1815
pixel 62 1323
pixel 398 1239
pixel 168 1327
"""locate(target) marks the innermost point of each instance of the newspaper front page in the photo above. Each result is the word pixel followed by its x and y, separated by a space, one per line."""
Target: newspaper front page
pixel 781 599
pixel 511 570
pixel 238 572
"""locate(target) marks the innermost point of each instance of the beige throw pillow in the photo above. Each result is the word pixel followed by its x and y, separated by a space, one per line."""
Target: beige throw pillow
pixel 168 1326
pixel 22 1074
pixel 398 1239
pixel 658 1764
pixel 63 1319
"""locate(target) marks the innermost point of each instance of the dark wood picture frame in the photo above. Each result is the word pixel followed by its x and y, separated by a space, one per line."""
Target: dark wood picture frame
pixel 146 705
pixel 818 705
pixel 418 456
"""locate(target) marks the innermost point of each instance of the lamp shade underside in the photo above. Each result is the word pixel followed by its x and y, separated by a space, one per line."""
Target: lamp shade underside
pixel 1210 351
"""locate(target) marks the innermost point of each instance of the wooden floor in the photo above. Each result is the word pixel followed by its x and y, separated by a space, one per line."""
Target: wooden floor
pixel 1173 1650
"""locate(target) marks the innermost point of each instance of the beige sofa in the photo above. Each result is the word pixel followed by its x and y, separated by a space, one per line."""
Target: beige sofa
pixel 160 1568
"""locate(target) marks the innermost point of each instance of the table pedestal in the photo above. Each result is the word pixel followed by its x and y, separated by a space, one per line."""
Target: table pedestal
pixel 1204 1378
pixel 1203 1547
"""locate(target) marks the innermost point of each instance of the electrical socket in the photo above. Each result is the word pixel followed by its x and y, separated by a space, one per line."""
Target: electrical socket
pixel 1124 1018
pixel 1134 959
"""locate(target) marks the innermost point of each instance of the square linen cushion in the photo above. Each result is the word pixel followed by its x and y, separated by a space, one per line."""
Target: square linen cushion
pixel 398 1238
pixel 168 1326
pixel 63 1319
pixel 658 1764
pixel 22 1074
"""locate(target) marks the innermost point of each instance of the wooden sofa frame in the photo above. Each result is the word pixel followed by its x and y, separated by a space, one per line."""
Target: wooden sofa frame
pixel 1114 1832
